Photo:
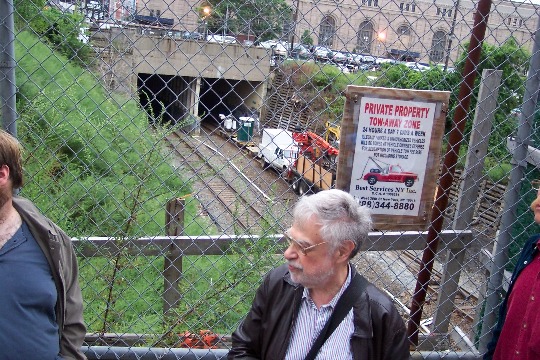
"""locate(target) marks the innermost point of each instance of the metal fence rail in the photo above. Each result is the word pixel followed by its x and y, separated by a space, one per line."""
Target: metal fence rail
pixel 123 106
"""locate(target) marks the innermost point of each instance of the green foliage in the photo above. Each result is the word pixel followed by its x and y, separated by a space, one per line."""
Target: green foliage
pixel 322 86
pixel 263 18
pixel 497 172
pixel 26 11
pixel 59 28
pixel 95 167
pixel 210 291
pixel 94 164
pixel 512 60
pixel 509 57
pixel 306 38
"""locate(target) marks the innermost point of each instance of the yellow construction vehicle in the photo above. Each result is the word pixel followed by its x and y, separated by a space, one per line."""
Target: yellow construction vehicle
pixel 332 134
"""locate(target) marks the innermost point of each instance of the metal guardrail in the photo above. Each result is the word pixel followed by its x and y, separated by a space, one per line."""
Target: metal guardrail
pixel 136 353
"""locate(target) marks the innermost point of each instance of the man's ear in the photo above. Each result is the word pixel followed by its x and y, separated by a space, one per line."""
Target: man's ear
pixel 345 249
pixel 4 174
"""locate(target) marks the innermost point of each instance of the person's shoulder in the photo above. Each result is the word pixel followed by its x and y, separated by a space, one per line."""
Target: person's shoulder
pixel 279 275
pixel 26 208
pixel 35 219
pixel 379 299
pixel 24 203
pixel 530 244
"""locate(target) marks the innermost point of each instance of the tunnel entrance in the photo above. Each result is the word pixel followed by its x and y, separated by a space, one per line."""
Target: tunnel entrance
pixel 157 96
pixel 171 99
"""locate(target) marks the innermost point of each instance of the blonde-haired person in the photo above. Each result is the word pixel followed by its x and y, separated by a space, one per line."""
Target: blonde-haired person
pixel 41 298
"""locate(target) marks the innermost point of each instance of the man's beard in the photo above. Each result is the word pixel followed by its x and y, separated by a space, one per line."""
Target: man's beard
pixel 313 279
pixel 5 196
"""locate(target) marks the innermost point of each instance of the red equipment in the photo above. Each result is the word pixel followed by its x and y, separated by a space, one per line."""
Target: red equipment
pixel 206 339
pixel 314 146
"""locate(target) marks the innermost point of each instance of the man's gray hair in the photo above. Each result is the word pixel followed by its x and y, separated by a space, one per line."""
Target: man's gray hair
pixel 340 216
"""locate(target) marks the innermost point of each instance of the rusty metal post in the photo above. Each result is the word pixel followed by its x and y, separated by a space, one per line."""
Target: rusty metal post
pixel 450 160
pixel 172 265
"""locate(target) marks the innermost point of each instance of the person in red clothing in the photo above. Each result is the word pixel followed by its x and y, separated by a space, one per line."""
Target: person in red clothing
pixel 516 334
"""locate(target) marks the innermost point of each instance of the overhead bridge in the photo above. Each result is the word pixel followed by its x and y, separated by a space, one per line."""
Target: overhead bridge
pixel 184 81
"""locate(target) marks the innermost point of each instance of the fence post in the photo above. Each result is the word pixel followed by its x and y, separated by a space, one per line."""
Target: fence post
pixel 172 265
pixel 468 194
pixel 7 68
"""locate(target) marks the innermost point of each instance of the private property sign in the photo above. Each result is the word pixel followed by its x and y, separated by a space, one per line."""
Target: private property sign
pixel 390 153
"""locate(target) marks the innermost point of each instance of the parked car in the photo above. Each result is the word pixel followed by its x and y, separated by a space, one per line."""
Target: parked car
pixel 322 53
pixel 221 39
pixel 368 59
pixel 416 66
pixel 192 35
pixel 299 51
pixel 357 59
pixel 381 61
pixel 277 47
pixel 339 57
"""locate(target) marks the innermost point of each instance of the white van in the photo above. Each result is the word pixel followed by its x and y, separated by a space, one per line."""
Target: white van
pixel 278 149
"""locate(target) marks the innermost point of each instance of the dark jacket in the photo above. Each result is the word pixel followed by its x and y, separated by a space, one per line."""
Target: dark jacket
pixel 527 255
pixel 58 250
pixel 379 330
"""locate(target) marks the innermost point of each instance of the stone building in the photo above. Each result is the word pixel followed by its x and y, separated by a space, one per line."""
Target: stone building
pixel 412 30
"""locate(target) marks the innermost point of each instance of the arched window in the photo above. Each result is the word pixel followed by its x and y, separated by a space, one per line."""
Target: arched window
pixel 327 31
pixel 365 38
pixel 404 30
pixel 438 46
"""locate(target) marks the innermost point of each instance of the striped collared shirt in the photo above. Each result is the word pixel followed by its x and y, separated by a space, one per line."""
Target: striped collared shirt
pixel 311 321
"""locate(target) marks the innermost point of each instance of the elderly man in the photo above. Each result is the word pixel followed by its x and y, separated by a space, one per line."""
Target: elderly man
pixel 289 318
pixel 514 336
pixel 40 299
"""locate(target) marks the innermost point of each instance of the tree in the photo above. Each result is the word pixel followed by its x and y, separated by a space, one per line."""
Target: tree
pixel 509 57
pixel 26 11
pixel 62 29
pixel 513 61
pixel 306 38
pixel 265 19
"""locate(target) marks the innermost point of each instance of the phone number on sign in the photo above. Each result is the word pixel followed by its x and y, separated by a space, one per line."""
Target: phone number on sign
pixel 387 205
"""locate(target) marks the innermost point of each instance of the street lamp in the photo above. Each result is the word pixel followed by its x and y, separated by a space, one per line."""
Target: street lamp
pixel 381 36
pixel 206 11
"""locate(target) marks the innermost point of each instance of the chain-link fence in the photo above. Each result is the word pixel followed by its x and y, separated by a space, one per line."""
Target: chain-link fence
pixel 141 123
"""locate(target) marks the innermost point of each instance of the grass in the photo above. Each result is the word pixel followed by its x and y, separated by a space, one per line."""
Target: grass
pixel 216 292
pixel 95 167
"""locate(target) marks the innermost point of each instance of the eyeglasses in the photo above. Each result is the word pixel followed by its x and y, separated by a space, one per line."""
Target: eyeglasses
pixel 298 246
pixel 535 184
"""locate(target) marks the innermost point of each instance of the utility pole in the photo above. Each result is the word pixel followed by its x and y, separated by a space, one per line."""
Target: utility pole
pixel 451 35
pixel 295 19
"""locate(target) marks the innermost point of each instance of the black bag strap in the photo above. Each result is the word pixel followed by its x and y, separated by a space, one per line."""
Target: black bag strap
pixel 343 306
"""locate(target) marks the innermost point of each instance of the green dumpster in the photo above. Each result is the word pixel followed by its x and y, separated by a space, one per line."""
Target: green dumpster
pixel 245 131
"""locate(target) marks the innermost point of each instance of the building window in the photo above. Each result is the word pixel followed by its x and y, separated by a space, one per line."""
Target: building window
pixel 327 31
pixel 514 21
pixel 404 30
pixel 365 38
pixel 158 13
pixel 444 12
pixel 151 13
pixel 370 3
pixel 438 46
pixel 411 7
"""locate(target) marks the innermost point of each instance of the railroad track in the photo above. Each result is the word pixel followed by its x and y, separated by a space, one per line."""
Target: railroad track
pixel 232 198
pixel 411 260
